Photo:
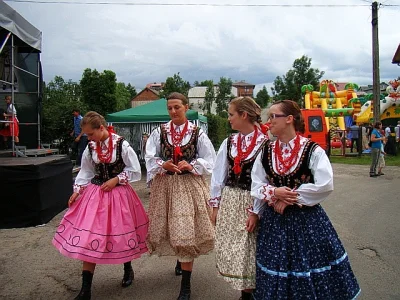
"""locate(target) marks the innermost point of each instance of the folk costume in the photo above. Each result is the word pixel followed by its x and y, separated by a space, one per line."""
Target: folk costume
pixel 105 227
pixel 230 191
pixel 180 222
pixel 11 129
pixel 299 254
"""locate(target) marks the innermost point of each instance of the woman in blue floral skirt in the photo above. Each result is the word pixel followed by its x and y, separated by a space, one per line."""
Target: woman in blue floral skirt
pixel 299 254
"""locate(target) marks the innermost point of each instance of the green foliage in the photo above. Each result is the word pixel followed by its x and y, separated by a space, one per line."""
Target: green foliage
pixel 206 83
pixel 289 86
pixel 99 91
pixel 223 95
pixel 175 84
pixel 123 96
pixel 262 97
pixel 218 129
pixel 132 91
pixel 60 98
pixel 209 97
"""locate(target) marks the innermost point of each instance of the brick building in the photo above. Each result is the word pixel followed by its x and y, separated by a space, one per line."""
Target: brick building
pixel 145 96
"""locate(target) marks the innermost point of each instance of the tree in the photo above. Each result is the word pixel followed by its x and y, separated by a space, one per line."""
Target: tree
pixel 223 95
pixel 132 91
pixel 289 86
pixel 123 96
pixel 262 97
pixel 60 98
pixel 99 91
pixel 175 84
pixel 209 97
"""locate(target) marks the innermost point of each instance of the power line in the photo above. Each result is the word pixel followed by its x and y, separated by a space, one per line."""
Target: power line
pixel 186 4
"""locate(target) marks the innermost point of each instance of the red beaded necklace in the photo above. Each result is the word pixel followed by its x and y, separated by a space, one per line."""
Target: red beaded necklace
pixel 106 157
pixel 177 140
pixel 284 165
pixel 237 169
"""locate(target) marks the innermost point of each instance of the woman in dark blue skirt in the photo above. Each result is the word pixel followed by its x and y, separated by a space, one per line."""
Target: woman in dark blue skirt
pixel 299 254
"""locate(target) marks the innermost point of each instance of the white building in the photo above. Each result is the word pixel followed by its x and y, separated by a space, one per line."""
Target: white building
pixel 197 94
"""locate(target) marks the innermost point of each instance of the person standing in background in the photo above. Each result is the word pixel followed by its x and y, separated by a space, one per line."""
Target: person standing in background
pixel 80 139
pixel 354 137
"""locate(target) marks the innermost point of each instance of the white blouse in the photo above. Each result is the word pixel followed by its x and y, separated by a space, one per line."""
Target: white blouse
pixel 310 194
pixel 11 110
pixel 220 174
pixel 131 172
pixel 202 164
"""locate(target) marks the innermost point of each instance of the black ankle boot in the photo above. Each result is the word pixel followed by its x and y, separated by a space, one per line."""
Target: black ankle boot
pixel 85 293
pixel 129 275
pixel 178 269
pixel 246 296
pixel 184 294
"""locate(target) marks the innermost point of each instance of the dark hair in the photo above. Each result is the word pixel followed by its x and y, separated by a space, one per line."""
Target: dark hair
pixel 179 96
pixel 377 124
pixel 76 110
pixel 290 107
pixel 94 119
pixel 248 105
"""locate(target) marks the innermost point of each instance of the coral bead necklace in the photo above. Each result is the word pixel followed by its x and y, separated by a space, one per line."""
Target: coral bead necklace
pixel 237 169
pixel 284 165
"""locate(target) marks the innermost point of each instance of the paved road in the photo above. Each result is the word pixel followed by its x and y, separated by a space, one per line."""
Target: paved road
pixel 364 211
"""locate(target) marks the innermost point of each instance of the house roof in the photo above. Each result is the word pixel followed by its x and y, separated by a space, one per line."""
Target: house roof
pixel 396 57
pixel 243 83
pixel 154 84
pixel 200 91
pixel 157 93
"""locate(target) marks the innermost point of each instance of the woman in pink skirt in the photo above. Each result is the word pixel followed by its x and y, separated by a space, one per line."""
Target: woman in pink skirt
pixel 106 222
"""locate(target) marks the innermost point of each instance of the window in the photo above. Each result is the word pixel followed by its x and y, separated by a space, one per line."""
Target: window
pixel 315 124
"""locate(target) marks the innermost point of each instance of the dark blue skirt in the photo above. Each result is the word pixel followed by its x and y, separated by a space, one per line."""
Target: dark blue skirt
pixel 300 256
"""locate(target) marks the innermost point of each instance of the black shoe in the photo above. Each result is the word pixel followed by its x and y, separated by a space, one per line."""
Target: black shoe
pixel 129 275
pixel 178 269
pixel 246 296
pixel 85 293
pixel 380 174
pixel 373 175
pixel 184 294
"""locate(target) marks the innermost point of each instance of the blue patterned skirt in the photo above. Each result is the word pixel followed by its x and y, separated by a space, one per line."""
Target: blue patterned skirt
pixel 299 256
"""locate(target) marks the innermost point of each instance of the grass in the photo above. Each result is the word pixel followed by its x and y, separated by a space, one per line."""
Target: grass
pixel 364 159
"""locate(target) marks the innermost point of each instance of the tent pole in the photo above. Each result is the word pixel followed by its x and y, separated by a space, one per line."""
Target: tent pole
pixel 38 97
pixel 12 94
pixel 5 41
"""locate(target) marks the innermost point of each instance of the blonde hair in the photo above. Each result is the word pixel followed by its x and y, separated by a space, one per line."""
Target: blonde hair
pixel 94 119
pixel 248 105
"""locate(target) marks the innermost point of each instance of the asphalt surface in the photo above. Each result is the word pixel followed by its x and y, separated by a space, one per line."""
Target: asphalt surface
pixel 364 211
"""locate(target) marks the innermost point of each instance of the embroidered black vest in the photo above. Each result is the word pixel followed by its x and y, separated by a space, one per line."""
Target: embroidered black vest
pixel 189 151
pixel 105 171
pixel 301 174
pixel 242 180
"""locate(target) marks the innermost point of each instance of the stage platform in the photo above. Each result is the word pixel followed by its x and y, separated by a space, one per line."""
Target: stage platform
pixel 23 152
pixel 34 189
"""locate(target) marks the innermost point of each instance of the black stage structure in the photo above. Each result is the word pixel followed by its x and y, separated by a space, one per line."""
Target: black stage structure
pixel 33 189
pixel 20 73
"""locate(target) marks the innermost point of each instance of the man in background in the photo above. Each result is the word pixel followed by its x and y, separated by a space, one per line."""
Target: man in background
pixel 80 139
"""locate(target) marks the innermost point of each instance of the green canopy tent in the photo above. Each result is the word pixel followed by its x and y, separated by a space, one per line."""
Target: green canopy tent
pixel 132 122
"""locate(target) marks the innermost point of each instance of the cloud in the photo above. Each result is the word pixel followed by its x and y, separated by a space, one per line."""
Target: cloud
pixel 144 44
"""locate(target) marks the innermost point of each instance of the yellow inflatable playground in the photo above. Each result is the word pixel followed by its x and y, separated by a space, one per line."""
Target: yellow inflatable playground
pixel 339 104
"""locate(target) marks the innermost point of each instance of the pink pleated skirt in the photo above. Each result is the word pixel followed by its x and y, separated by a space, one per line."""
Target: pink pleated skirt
pixel 104 227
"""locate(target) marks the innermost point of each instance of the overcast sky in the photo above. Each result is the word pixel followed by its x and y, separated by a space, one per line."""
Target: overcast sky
pixel 143 44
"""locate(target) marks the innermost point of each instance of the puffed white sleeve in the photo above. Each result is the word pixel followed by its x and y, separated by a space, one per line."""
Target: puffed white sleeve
pixel 86 173
pixel 311 194
pixel 205 160
pixel 132 171
pixel 153 149
pixel 219 175
pixel 261 191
